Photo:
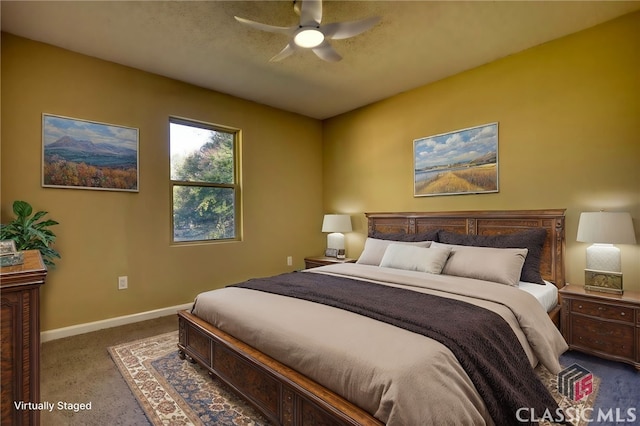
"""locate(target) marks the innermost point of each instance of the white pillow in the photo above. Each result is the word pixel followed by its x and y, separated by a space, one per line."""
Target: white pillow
pixel 412 258
pixel 374 249
pixel 501 265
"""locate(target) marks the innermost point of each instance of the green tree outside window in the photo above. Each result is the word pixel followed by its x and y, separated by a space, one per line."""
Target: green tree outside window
pixel 204 173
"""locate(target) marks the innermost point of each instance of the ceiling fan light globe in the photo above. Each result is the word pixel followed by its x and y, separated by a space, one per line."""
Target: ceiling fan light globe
pixel 308 38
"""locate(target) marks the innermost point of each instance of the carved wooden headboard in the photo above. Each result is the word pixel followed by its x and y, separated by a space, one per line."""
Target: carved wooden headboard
pixel 485 223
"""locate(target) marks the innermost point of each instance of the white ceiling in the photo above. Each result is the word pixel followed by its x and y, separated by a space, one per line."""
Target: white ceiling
pixel 199 42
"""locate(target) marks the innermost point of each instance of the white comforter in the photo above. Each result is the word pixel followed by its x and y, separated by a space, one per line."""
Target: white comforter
pixel 400 377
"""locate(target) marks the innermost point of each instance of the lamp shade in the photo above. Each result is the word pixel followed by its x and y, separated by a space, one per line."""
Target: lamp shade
pixel 606 228
pixel 336 223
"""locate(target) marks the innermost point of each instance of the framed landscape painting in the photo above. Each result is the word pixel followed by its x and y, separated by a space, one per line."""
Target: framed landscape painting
pixel 85 154
pixel 459 162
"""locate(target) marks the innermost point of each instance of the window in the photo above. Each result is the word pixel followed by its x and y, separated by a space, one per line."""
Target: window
pixel 204 181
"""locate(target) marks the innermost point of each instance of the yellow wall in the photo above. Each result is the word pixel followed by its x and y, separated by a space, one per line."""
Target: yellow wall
pixel 569 120
pixel 104 234
pixel 569 137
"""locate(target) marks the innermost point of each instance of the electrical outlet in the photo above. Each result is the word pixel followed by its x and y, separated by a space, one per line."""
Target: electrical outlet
pixel 289 260
pixel 123 283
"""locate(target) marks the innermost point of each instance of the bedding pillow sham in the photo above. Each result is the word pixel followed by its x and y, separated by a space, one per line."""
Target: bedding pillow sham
pixel 402 236
pixel 501 265
pixel 414 258
pixel 532 240
pixel 374 249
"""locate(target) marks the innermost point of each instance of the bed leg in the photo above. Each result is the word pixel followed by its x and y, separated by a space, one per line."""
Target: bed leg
pixel 183 355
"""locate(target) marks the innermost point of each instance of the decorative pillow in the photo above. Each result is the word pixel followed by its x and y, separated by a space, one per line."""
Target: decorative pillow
pixel 532 240
pixel 484 263
pixel 374 250
pixel 414 258
pixel 402 236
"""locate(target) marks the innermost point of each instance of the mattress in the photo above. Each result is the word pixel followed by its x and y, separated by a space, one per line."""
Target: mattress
pixel 546 294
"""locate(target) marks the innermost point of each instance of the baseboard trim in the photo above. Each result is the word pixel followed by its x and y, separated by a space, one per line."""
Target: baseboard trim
pixel 88 327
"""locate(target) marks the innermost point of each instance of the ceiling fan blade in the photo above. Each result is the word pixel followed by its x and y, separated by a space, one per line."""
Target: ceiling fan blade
pixel 342 30
pixel 288 50
pixel 326 52
pixel 310 12
pixel 265 27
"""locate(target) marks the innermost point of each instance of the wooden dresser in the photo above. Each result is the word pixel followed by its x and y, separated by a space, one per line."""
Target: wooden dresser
pixel 20 323
pixel 602 324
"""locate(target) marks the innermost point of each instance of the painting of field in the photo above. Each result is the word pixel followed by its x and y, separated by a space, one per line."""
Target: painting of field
pixel 460 162
pixel 88 155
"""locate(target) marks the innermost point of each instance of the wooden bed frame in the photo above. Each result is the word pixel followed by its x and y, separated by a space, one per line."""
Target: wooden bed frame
pixel 287 397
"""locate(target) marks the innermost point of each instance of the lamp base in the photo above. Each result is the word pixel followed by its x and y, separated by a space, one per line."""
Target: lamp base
pixel 609 282
pixel 335 245
pixel 603 257
pixel 335 240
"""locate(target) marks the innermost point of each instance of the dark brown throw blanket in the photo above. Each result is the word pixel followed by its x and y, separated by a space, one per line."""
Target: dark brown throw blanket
pixel 481 340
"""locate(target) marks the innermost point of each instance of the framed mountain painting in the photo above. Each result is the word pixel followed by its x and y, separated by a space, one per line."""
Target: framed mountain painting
pixel 85 154
pixel 459 162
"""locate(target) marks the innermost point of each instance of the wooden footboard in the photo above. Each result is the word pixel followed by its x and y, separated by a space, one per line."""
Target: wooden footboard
pixel 283 395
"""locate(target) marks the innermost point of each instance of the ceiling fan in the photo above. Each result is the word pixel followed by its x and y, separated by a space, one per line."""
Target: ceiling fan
pixel 310 33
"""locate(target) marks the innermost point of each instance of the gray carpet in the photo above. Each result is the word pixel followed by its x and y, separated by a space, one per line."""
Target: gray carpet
pixel 618 399
pixel 78 369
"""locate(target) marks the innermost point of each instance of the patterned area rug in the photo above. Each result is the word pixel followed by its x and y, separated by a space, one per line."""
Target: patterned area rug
pixel 176 392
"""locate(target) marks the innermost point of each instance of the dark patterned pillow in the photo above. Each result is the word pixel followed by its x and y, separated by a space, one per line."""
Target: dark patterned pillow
pixel 402 236
pixel 532 239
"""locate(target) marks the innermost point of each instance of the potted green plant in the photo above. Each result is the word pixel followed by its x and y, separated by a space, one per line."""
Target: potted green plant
pixel 31 232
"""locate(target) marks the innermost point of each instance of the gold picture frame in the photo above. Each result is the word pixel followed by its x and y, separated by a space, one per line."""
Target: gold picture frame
pixel 84 154
pixel 7 247
pixel 9 256
pixel 606 281
pixel 463 161
pixel 331 252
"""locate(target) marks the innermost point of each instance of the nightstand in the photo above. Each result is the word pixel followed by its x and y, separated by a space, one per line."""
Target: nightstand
pixel 314 262
pixel 602 324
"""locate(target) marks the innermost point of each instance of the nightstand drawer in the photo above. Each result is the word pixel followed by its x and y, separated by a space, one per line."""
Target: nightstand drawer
pixel 314 262
pixel 620 313
pixel 614 339
pixel 602 324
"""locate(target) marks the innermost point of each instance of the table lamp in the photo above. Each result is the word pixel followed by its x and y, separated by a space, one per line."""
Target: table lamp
pixel 335 225
pixel 604 229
